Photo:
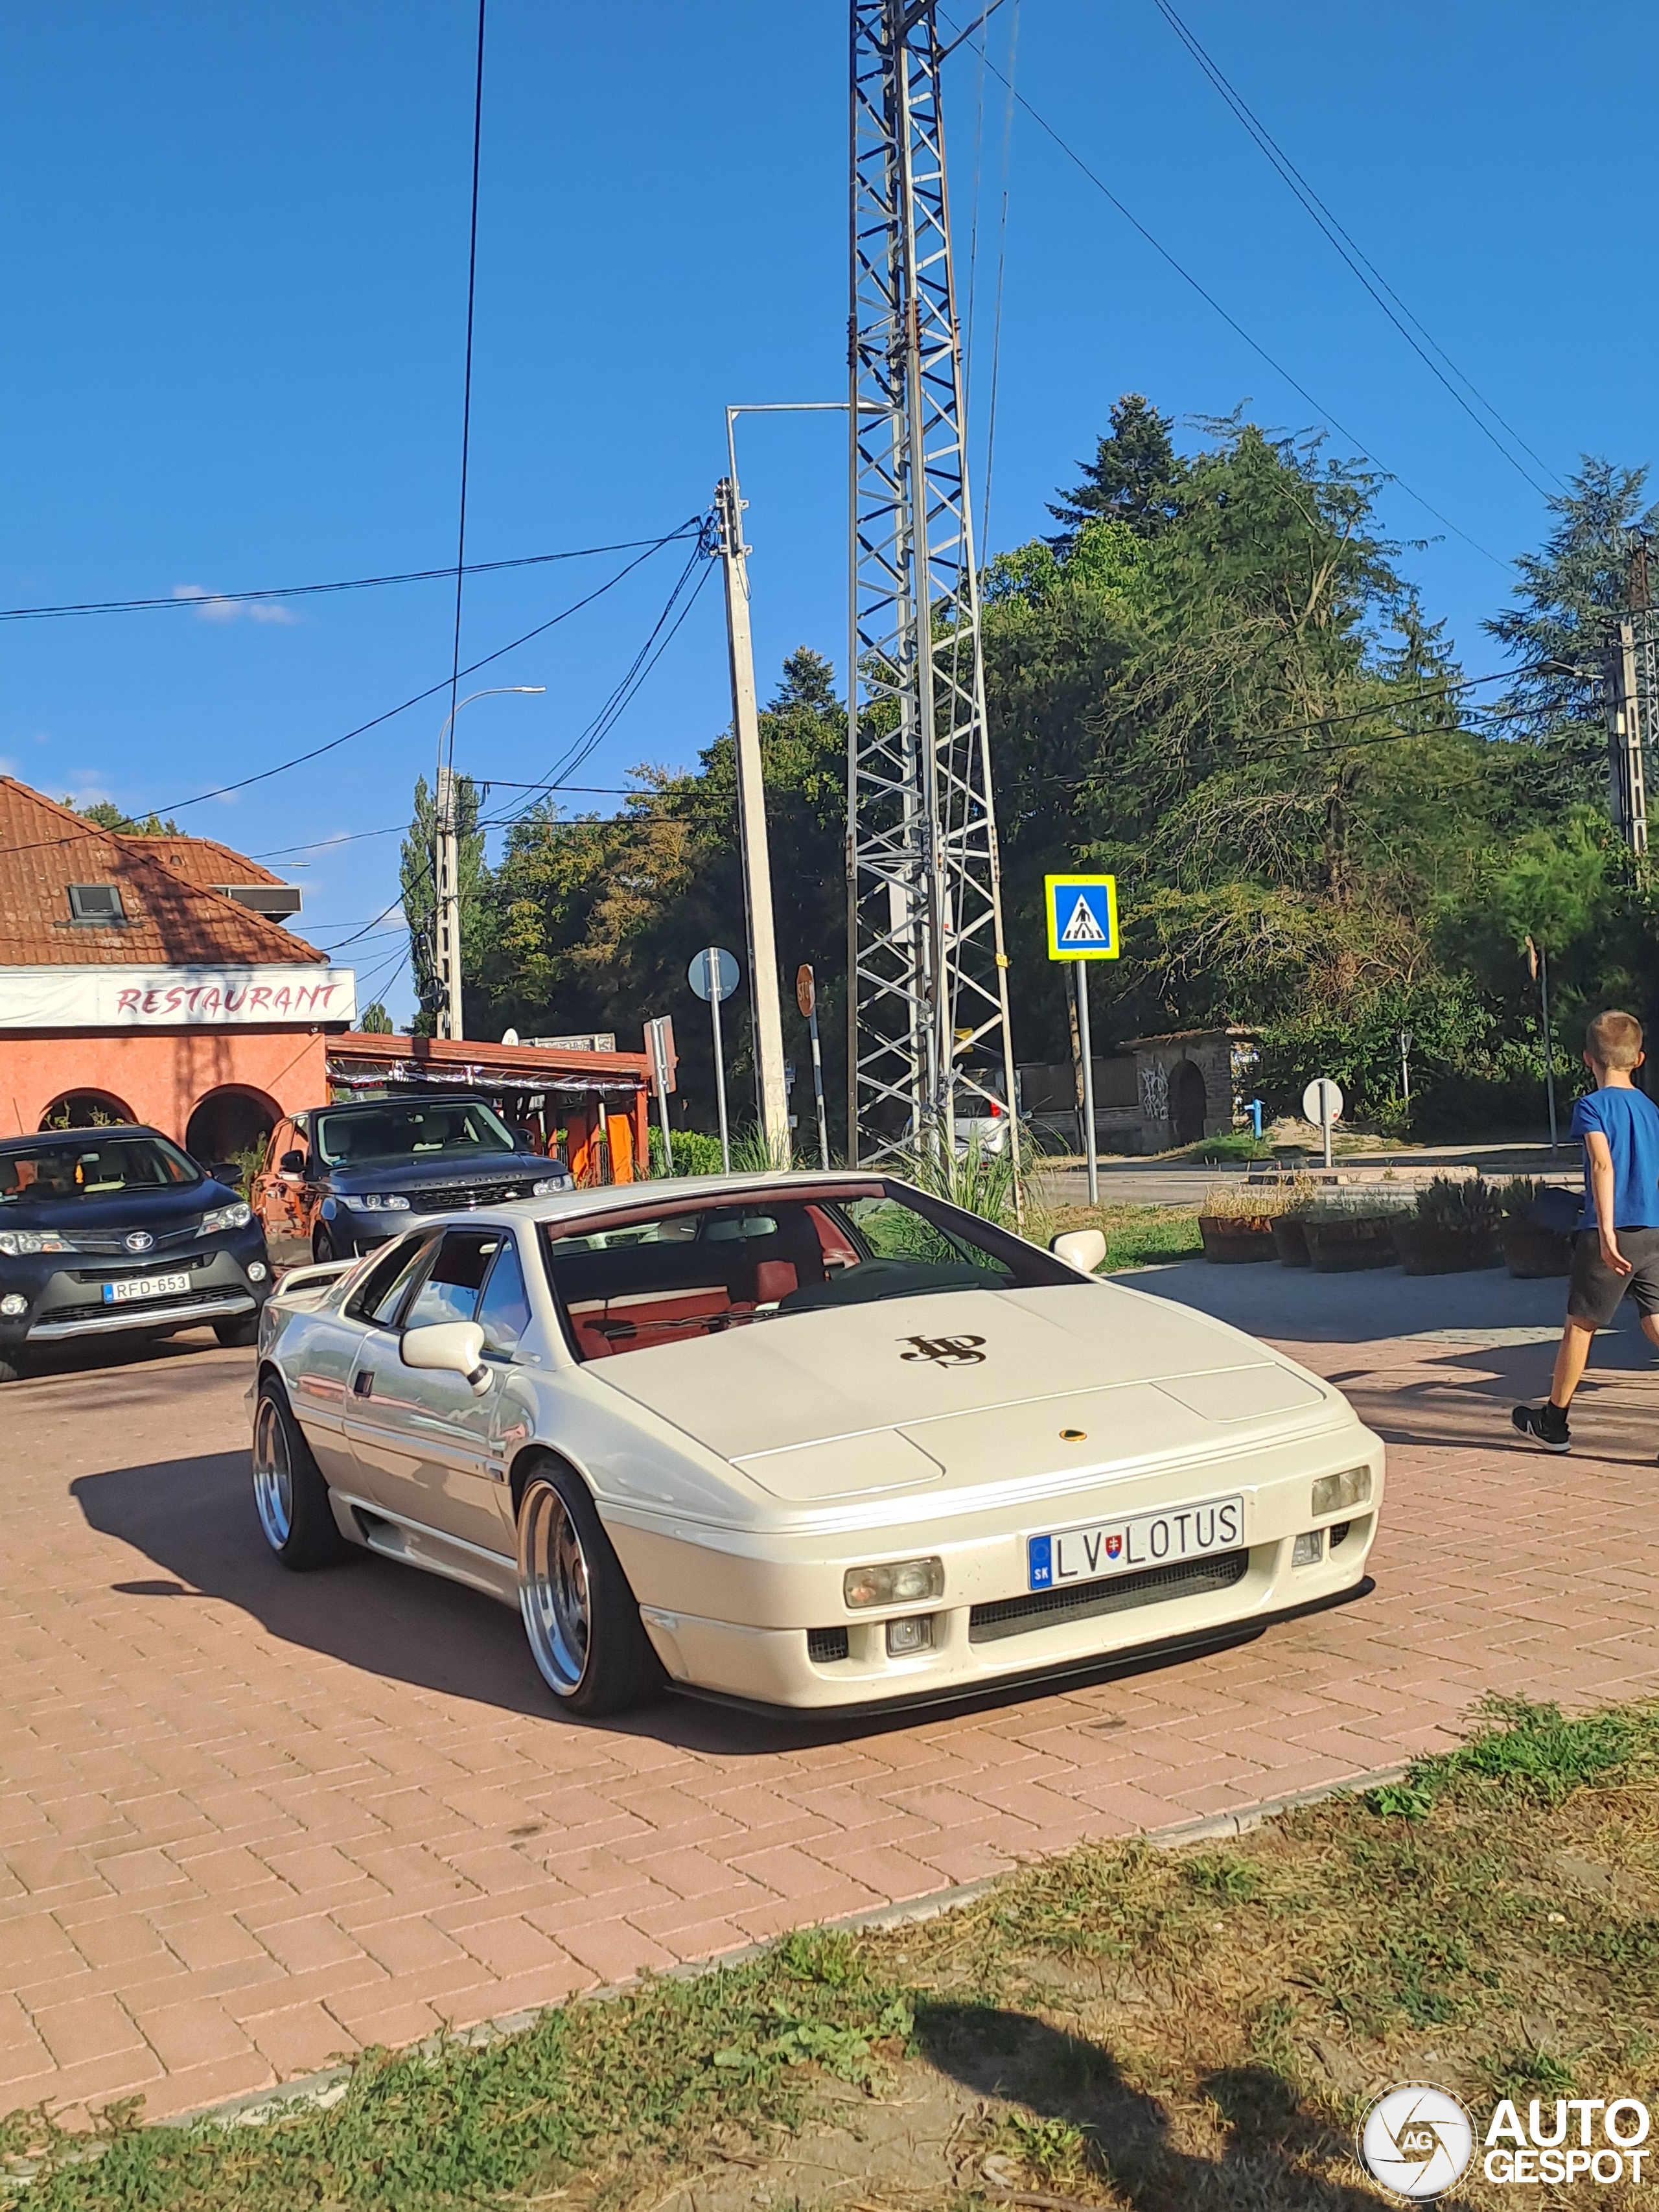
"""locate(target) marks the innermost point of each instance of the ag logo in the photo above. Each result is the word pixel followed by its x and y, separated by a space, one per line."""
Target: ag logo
pixel 944 1351
pixel 140 1241
pixel 1415 2141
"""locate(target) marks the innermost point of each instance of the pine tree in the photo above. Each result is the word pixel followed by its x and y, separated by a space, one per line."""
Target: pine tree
pixel 1131 477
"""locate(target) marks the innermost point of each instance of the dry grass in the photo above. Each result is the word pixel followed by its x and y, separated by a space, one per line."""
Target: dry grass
pixel 1194 2031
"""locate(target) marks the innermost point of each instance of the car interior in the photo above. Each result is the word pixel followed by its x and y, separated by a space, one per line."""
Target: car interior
pixel 695 1274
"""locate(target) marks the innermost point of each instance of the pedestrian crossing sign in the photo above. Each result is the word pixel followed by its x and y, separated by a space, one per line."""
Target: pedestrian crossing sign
pixel 1082 917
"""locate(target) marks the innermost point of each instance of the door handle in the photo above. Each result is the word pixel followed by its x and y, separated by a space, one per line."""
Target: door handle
pixel 362 1383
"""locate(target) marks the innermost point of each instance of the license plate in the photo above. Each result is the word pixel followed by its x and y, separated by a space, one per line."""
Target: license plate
pixel 1143 1539
pixel 131 1287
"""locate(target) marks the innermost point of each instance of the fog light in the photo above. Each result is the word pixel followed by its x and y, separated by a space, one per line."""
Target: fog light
pixel 1333 1492
pixel 904 1582
pixel 1309 1549
pixel 256 1272
pixel 12 1305
pixel 914 1634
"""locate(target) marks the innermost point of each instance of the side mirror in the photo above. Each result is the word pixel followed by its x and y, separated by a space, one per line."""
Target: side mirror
pixel 227 1172
pixel 292 1164
pixel 1082 1249
pixel 453 1347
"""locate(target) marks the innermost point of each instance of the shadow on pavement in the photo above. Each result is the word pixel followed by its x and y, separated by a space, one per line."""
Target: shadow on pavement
pixel 194 1519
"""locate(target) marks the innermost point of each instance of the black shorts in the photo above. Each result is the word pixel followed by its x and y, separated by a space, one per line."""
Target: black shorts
pixel 1594 1294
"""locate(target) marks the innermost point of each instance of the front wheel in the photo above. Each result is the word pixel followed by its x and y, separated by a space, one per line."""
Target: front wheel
pixel 241 1331
pixel 290 1494
pixel 323 1249
pixel 580 1616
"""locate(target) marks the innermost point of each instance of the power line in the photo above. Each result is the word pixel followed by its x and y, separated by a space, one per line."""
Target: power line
pixel 175 602
pixel 1358 261
pixel 1237 327
pixel 466 394
pixel 432 690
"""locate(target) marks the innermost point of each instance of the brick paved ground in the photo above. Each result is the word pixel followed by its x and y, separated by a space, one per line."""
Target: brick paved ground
pixel 251 1821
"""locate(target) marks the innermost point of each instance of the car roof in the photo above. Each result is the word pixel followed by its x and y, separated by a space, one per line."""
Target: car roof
pixel 90 1135
pixel 409 1097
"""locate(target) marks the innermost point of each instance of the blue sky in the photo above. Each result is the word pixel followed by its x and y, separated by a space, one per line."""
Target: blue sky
pixel 233 264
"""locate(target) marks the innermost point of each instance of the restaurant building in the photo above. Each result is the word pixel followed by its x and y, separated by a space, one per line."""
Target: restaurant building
pixel 152 979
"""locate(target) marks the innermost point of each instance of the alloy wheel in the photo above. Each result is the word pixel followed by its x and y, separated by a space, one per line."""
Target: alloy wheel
pixel 273 1475
pixel 553 1589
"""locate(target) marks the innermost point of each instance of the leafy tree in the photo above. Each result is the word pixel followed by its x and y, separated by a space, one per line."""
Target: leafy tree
pixel 108 816
pixel 1131 477
pixel 376 1021
pixel 1569 595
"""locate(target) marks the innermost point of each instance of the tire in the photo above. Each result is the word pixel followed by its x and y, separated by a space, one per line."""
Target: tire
pixel 581 1619
pixel 12 1370
pixel 323 1249
pixel 290 1494
pixel 241 1330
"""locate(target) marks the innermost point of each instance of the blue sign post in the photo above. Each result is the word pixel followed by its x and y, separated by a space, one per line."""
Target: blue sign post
pixel 1082 916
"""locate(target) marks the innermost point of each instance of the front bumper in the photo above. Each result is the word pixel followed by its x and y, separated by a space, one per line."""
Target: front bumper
pixel 65 1301
pixel 783 1635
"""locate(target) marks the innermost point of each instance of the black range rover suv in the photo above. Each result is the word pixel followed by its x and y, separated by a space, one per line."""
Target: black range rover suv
pixel 115 1232
pixel 346 1178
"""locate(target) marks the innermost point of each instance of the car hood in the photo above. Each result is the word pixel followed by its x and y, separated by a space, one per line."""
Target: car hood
pixel 158 1211
pixel 970 1387
pixel 436 1173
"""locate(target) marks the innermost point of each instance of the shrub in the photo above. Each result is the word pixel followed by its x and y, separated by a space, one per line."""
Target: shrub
pixel 694 1153
pixel 1458 1202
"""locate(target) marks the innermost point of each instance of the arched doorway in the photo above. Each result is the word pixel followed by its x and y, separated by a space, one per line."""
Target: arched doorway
pixel 228 1122
pixel 86 1109
pixel 1188 1102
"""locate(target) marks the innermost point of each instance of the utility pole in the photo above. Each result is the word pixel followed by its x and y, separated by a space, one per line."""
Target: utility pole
pixel 448 906
pixel 927 968
pixel 772 1094
pixel 1630 692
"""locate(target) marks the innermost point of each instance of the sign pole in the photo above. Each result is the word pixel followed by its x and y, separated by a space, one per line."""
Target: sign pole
pixel 818 1087
pixel 1090 1152
pixel 1325 1116
pixel 719 1063
pixel 656 1037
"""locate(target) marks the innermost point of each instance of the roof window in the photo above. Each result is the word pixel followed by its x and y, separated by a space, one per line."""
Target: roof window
pixel 96 902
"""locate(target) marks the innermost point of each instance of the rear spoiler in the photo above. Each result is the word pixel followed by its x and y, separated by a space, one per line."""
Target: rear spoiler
pixel 313 1276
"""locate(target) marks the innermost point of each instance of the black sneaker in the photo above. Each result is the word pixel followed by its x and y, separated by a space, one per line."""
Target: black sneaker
pixel 1546 1425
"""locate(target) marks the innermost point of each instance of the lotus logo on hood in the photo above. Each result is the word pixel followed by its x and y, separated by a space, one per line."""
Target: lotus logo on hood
pixel 944 1351
pixel 140 1241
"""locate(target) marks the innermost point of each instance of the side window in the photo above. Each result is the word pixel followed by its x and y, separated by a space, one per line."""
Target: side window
pixel 504 1310
pixel 388 1283
pixel 281 1140
pixel 450 1291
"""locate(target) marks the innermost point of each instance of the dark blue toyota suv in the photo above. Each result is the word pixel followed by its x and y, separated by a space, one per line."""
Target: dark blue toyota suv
pixel 116 1232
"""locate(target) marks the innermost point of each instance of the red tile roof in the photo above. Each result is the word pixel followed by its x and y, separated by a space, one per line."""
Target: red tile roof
pixel 205 861
pixel 172 920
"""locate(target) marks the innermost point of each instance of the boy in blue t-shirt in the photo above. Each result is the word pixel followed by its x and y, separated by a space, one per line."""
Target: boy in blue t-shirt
pixel 1616 1246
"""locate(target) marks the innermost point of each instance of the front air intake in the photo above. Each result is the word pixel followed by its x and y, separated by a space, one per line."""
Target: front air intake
pixel 1018 1616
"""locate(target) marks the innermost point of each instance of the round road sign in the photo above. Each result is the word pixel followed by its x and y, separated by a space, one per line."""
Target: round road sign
pixel 805 993
pixel 714 966
pixel 1330 1111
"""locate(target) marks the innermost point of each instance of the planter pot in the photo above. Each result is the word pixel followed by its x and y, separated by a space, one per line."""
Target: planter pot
pixel 1337 1247
pixel 1229 1240
pixel 1291 1240
pixel 1530 1251
pixel 1436 1248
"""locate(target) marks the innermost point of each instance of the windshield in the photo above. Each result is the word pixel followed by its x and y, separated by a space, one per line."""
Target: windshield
pixel 453 1127
pixel 82 1164
pixel 699 1270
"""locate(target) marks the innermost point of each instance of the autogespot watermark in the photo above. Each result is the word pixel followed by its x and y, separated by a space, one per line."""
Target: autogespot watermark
pixel 1415 2141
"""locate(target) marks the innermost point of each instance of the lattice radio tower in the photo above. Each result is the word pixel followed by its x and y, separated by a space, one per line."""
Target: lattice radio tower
pixel 928 1000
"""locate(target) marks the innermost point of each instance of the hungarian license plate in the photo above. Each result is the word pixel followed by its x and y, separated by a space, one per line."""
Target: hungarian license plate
pixel 133 1287
pixel 1140 1540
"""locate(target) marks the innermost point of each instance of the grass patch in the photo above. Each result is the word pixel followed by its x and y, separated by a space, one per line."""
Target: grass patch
pixel 1136 1236
pixel 1121 2026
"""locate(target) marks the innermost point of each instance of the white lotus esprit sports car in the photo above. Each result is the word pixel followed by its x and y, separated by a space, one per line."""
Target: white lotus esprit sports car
pixel 809 1440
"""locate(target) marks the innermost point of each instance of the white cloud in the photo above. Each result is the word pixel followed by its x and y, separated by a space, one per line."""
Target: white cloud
pixel 212 607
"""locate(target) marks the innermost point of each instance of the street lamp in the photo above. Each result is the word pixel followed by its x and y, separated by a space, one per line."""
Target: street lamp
pixel 447 887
